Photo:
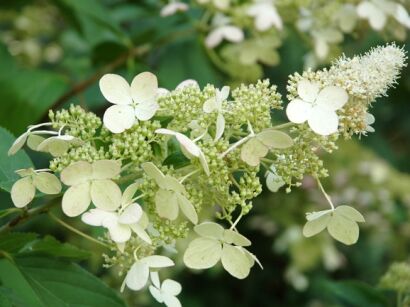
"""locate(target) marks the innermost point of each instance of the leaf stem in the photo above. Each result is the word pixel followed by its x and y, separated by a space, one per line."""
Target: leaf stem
pixel 80 233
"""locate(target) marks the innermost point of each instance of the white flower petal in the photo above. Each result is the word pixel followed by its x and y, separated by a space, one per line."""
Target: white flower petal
pixel 171 287
pixel 332 97
pixel 156 294
pixel 119 233
pixel 166 204
pixel 129 193
pixel 106 169
pixel 54 145
pixel 376 17
pixel 232 34
pixel 308 90
pixel 96 217
pixel 34 140
pixel 172 8
pixel 119 118
pixel 105 194
pixel 155 279
pixel 144 87
pixel 22 192
pixel 214 38
pixel 131 214
pixel 204 163
pixel 157 261
pixel 115 89
pixel 47 183
pixel 154 173
pixel 146 110
pixel 209 105
pixel 223 94
pixel 77 172
pixel 235 238
pixel 220 126
pixel 298 111
pixel 171 301
pixel 209 230
pixel 183 140
pixel 187 208
pixel 139 230
pixel 137 276
pixel 76 199
pixel 323 121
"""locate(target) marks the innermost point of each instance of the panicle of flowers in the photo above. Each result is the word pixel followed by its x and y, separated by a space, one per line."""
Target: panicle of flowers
pixel 162 163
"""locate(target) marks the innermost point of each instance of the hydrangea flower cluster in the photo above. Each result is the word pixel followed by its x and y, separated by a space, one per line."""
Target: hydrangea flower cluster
pixel 246 34
pixel 183 165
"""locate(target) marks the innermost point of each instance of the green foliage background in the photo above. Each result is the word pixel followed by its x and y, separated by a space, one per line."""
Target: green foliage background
pixel 94 37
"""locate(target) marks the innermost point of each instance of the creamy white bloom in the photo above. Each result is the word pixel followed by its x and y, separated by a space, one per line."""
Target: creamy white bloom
pixel 137 101
pixel 346 17
pixel 189 148
pixel 166 292
pixel 215 104
pixel 317 107
pixel 377 12
pixel 323 38
pixel 184 84
pixel 91 182
pixel 138 275
pixel 273 181
pixel 222 29
pixel 265 14
pixel 173 7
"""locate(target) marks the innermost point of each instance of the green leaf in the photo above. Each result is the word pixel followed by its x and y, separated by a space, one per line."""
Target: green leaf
pixel 52 247
pixel 45 282
pixel 15 241
pixel 26 95
pixel 9 164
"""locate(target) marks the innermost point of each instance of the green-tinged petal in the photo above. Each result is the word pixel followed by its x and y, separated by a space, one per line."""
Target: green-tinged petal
pixel 105 194
pixel 76 199
pixel 131 214
pixel 209 230
pixel 47 183
pixel 106 169
pixel 166 204
pixel 350 213
pixel 144 221
pixel 139 230
pixel 275 139
pixel 76 173
pixel 171 287
pixel 18 144
pixel 235 238
pixel 174 185
pixel 129 193
pixel 202 253
pixel 252 151
pixel 34 140
pixel 235 261
pixel 343 229
pixel 119 233
pixel 314 226
pixel 154 173
pixel 22 192
pixel 187 208
pixel 55 146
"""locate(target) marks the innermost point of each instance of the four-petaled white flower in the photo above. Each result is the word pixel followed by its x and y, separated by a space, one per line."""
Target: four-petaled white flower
pixel 265 14
pixel 377 12
pixel 173 7
pixel 138 275
pixel 369 120
pixel 171 195
pixel 120 225
pixel 91 182
pixel 317 107
pixel 215 104
pixel 24 189
pixel 188 147
pixel 137 101
pixel 166 292
pixel 223 30
pixel 216 243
